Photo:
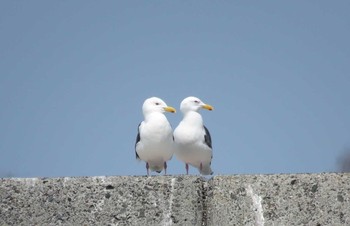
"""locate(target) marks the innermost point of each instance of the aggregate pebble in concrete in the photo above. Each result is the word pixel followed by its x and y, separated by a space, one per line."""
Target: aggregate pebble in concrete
pixel 156 200
pixel 285 199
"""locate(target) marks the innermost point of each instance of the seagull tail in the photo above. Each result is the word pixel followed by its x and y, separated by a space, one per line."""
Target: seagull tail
pixel 156 168
pixel 206 170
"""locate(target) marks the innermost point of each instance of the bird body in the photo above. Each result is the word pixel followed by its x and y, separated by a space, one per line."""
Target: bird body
pixel 192 138
pixel 154 141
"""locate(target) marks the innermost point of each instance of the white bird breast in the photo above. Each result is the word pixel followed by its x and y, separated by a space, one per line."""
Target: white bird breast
pixel 188 135
pixel 156 142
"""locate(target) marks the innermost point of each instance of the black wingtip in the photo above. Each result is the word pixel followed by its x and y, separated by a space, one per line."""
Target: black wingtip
pixel 207 137
pixel 138 138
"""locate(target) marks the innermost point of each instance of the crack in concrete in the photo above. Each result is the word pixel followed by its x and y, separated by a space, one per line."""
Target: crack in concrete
pixel 204 195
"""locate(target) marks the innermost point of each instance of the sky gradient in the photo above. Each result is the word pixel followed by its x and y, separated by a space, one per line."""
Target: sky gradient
pixel 74 75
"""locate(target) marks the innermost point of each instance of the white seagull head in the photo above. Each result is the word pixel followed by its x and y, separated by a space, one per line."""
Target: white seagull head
pixel 193 104
pixel 155 104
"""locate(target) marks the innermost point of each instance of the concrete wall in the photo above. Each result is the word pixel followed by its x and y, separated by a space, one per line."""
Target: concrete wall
pixel 295 199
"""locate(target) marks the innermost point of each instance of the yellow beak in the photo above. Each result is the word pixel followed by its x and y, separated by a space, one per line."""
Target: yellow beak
pixel 208 107
pixel 170 109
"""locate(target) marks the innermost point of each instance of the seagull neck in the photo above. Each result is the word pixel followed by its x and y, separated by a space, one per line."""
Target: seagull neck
pixel 192 117
pixel 154 116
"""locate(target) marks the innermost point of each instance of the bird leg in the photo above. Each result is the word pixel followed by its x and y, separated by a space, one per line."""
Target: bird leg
pixel 186 169
pixel 147 167
pixel 165 166
pixel 200 167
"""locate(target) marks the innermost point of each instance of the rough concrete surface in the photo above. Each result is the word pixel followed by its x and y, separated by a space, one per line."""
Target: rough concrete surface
pixel 298 199
pixel 158 200
pixel 288 199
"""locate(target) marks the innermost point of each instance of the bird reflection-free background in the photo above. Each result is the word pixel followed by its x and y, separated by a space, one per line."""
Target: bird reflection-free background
pixel 74 75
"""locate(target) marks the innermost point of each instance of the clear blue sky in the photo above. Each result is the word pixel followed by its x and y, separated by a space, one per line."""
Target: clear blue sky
pixel 74 75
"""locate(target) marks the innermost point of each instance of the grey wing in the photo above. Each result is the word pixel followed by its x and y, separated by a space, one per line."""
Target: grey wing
pixel 207 137
pixel 138 138
pixel 207 140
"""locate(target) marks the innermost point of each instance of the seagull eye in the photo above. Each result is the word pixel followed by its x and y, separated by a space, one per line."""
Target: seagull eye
pixel 157 103
pixel 196 101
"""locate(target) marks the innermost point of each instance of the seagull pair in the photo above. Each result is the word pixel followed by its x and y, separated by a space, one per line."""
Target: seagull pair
pixel 191 142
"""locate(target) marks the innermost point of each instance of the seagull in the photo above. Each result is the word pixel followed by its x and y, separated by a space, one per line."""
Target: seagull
pixel 192 138
pixel 154 140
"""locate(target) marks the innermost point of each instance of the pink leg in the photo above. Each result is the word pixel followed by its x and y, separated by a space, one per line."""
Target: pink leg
pixel 186 169
pixel 165 166
pixel 147 167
